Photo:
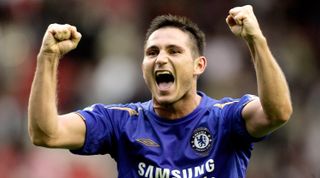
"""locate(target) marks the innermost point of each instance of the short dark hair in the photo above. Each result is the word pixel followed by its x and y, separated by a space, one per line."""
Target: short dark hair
pixel 182 23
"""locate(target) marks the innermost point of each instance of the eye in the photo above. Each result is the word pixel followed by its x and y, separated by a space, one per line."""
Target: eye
pixel 152 52
pixel 174 51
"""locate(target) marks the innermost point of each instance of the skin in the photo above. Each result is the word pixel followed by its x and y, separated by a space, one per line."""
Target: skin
pixel 46 127
pixel 274 107
pixel 169 49
pixel 172 52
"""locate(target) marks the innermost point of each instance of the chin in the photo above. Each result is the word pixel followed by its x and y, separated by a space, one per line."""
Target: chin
pixel 164 100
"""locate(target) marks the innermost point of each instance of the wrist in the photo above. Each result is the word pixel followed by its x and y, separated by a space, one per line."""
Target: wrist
pixel 48 59
pixel 256 38
pixel 48 56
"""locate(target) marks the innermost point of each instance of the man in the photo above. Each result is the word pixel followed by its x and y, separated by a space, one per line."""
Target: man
pixel 180 132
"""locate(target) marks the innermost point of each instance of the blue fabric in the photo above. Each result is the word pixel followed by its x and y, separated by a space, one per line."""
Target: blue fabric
pixel 211 141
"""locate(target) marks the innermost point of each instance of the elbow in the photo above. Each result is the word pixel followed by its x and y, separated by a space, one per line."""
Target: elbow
pixel 33 136
pixel 286 113
pixel 283 115
pixel 40 140
pixel 43 142
pixel 36 139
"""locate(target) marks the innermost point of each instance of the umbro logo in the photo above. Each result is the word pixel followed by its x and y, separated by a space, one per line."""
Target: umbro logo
pixel 147 142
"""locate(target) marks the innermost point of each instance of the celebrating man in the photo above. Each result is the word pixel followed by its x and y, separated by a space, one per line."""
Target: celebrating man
pixel 180 131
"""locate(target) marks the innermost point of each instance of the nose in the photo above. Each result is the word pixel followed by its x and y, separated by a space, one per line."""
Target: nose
pixel 162 58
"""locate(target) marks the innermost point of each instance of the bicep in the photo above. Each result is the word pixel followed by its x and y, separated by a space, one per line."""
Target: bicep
pixel 71 131
pixel 257 122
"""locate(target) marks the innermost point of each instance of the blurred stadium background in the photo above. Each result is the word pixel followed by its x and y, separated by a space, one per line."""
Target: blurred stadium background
pixel 106 68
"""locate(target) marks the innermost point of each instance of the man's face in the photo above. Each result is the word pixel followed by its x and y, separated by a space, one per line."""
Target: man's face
pixel 168 65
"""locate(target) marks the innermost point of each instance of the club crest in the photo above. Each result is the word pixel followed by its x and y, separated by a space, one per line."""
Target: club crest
pixel 201 140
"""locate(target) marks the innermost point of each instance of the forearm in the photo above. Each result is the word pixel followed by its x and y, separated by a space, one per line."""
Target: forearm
pixel 42 111
pixel 272 86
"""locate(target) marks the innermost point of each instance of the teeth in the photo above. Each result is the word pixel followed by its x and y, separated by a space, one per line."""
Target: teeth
pixel 162 72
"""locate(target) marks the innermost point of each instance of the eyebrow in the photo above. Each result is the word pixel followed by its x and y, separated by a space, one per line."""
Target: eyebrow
pixel 167 46
pixel 152 47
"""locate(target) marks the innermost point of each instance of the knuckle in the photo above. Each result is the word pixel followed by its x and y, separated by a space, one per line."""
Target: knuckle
pixel 248 6
pixel 74 28
pixel 54 25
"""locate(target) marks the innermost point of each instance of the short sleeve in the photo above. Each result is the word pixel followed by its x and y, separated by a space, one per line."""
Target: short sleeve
pixel 99 138
pixel 233 115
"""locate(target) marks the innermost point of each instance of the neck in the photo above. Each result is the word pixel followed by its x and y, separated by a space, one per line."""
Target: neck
pixel 179 109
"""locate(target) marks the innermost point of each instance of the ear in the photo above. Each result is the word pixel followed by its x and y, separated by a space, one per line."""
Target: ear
pixel 200 65
pixel 142 70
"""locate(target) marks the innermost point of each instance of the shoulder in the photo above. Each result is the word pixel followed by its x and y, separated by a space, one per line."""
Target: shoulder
pixel 217 103
pixel 129 108
pixel 229 101
pixel 226 104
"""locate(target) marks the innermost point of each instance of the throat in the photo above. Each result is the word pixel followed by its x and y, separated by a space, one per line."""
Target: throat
pixel 176 110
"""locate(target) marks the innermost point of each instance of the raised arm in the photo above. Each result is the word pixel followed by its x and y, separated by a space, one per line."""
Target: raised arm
pixel 274 107
pixel 46 127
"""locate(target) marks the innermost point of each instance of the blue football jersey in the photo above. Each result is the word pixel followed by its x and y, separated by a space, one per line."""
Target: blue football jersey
pixel 212 141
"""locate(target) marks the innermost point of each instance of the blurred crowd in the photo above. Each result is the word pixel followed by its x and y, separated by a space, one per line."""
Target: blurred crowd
pixel 105 68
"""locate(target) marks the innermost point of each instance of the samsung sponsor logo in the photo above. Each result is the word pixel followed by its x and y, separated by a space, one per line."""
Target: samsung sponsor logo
pixel 151 171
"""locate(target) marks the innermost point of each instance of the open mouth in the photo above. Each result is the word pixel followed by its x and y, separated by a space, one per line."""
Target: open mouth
pixel 164 80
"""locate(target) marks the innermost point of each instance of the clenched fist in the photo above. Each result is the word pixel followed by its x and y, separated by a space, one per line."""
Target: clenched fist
pixel 242 22
pixel 59 39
